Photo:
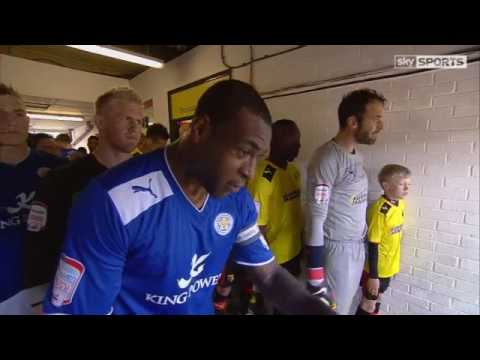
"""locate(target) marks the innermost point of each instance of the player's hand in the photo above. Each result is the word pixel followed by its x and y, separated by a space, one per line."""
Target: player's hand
pixel 372 286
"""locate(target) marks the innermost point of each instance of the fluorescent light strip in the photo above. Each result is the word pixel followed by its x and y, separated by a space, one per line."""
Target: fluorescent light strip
pixel 54 117
pixel 120 54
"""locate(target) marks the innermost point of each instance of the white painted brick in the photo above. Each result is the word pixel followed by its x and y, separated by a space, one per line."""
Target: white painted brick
pixel 407 148
pixel 462 182
pixel 391 300
pixel 445 215
pixel 423 102
pixel 416 262
pixel 414 201
pixel 414 189
pixel 467 85
pixel 430 181
pixel 428 224
pixel 468 230
pixel 445 193
pixel 446 260
pixel 373 196
pixel 437 89
pixel 472 219
pixel 410 221
pixel 456 294
pixel 457 74
pixel 465 110
pixel 470 158
pixel 462 99
pixel 423 158
pixel 460 148
pixel 465 307
pixel 430 114
pixel 420 283
pixel 451 239
pixel 417 310
pixel 409 232
pixel 468 206
pixel 401 123
pixel 457 123
pixel 388 137
pixel 475 171
pixel 442 310
pixel 473 195
pixel 431 137
pixel 454 169
pixel 397 309
pixel 424 254
pixel 433 277
pixel 406 269
pixel 469 242
pixel 384 158
pixel 398 118
pixel 419 292
pixel 414 81
pixel 455 273
pixel 459 136
pixel 408 250
pixel 423 245
pixel 438 298
pixel 456 251
pixel 424 234
pixel 470 265
pixel 402 277
pixel 443 280
pixel 467 286
pixel 410 299
pixel 401 286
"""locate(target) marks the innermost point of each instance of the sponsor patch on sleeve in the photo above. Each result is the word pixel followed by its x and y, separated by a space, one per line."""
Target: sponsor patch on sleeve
pixel 321 193
pixel 67 278
pixel 37 217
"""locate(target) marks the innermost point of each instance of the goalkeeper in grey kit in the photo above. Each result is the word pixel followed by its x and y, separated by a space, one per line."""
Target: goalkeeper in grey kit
pixel 337 190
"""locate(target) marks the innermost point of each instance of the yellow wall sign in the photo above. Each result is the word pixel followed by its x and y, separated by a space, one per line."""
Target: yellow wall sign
pixel 183 101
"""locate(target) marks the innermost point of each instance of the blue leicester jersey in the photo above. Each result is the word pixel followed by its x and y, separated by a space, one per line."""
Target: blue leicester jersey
pixel 136 244
pixel 18 185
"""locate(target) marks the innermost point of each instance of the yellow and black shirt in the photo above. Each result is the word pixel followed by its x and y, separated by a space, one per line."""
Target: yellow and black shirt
pixel 276 193
pixel 385 227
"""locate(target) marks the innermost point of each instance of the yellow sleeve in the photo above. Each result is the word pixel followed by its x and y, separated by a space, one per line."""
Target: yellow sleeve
pixel 376 225
pixel 261 190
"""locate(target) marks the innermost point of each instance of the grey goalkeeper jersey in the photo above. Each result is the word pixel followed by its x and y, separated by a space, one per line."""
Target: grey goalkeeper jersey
pixel 337 188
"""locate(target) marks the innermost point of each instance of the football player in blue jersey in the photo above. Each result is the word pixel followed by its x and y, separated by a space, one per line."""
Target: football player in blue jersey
pixel 152 235
pixel 21 169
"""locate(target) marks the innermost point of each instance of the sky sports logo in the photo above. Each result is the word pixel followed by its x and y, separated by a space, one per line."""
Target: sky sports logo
pixel 430 61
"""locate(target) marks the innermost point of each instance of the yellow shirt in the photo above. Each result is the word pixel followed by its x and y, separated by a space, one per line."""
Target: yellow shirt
pixel 276 193
pixel 385 228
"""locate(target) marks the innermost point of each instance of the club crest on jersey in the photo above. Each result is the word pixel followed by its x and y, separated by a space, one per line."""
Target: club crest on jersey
pixel 67 278
pixel 223 224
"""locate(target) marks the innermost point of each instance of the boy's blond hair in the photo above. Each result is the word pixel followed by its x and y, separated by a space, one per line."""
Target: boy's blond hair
pixel 390 170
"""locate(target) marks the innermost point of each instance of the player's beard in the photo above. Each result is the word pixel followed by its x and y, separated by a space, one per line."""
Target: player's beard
pixel 364 137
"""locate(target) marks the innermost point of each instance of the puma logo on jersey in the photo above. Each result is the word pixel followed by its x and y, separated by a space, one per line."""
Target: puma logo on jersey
pixel 198 265
pixel 137 188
